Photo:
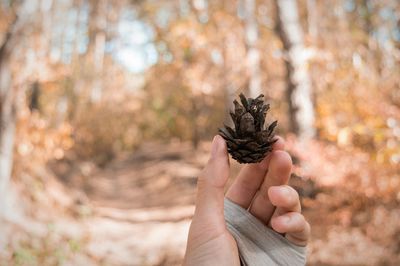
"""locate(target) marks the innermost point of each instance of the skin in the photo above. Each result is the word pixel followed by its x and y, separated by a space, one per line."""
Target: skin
pixel 260 188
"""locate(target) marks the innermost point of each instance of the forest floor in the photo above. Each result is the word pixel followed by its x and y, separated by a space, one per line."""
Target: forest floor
pixel 137 211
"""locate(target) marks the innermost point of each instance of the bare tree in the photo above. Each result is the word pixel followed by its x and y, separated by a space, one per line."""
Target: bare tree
pixel 26 16
pixel 301 109
pixel 312 19
pixel 253 55
pixel 96 46
pixel 8 95
pixel 7 108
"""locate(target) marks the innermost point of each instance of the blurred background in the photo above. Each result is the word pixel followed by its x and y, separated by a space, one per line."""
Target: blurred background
pixel 107 110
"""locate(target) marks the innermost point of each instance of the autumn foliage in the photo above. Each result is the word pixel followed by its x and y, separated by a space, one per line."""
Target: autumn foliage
pixel 117 102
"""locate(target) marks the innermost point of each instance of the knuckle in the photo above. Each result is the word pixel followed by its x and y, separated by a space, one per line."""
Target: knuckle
pixel 298 219
pixel 282 158
pixel 297 222
pixel 292 197
pixel 263 192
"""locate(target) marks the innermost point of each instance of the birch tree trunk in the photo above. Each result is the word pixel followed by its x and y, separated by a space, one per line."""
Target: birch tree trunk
pixel 253 55
pixel 301 109
pixel 8 98
pixel 312 18
pixel 7 131
pixel 96 46
pixel 7 110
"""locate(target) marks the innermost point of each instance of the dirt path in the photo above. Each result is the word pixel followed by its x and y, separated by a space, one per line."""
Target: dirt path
pixel 142 205
pixel 137 211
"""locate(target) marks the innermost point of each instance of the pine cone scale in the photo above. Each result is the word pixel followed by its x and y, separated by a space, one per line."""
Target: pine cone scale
pixel 249 141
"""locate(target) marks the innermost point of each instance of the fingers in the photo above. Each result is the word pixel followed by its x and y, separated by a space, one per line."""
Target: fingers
pixel 211 182
pixel 287 218
pixel 294 226
pixel 285 199
pixel 280 167
pixel 250 178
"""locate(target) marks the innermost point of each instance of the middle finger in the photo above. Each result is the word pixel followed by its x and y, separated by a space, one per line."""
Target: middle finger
pixel 250 178
pixel 278 174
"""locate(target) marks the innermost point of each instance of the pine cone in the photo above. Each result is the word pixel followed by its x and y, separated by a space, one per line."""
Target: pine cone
pixel 249 142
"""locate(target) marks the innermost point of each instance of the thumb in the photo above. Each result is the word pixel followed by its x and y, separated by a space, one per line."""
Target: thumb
pixel 211 183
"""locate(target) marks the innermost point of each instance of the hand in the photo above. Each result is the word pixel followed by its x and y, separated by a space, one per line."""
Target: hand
pixel 261 188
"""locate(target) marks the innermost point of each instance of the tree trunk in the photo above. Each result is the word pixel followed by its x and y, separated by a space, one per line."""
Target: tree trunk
pixel 301 109
pixel 7 128
pixel 229 89
pixel 34 97
pixel 312 18
pixel 96 46
pixel 253 55
pixel 7 111
pixel 97 89
pixel 8 97
pixel 184 8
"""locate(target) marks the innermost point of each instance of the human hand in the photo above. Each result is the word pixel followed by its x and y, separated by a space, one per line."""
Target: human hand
pixel 260 188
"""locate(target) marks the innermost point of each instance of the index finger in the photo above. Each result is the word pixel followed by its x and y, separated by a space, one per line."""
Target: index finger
pixel 250 178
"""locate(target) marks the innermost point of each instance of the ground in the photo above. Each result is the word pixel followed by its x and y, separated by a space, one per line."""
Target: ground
pixel 137 209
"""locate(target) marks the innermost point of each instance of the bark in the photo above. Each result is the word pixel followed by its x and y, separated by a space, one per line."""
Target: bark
pixel 96 46
pixel 47 24
pixel 8 97
pixel 97 89
pixel 229 89
pixel 301 109
pixel 195 131
pixel 253 55
pixel 34 97
pixel 7 109
pixel 367 17
pixel 312 19
pixel 184 8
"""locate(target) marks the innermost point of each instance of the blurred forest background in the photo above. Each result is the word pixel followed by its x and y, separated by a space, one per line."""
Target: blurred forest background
pixel 107 109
